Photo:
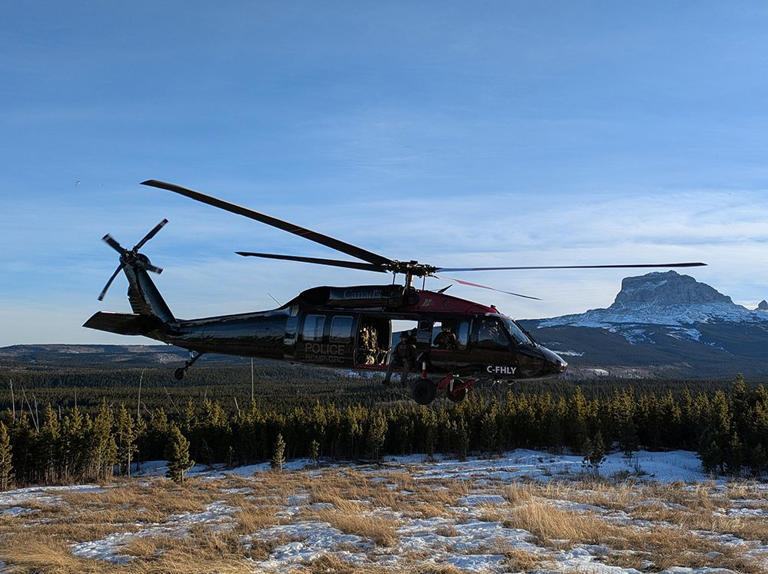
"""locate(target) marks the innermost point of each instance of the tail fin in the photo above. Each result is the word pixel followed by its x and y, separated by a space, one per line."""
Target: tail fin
pixel 144 297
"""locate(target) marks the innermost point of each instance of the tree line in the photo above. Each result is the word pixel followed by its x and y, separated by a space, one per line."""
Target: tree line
pixel 728 428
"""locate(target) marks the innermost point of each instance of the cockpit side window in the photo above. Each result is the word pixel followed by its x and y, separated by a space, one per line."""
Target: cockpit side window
pixel 516 332
pixel 462 334
pixel 491 335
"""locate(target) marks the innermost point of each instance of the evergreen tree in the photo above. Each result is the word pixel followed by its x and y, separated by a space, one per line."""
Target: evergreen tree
pixel 73 446
pixel 624 416
pixel 49 442
pixel 594 454
pixel 177 454
pixel 278 454
pixel 126 440
pixel 489 430
pixel 377 434
pixel 103 445
pixel 462 439
pixel 314 451
pixel 734 457
pixel 6 458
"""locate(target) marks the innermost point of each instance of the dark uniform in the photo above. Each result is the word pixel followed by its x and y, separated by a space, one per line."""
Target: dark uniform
pixel 404 354
pixel 446 339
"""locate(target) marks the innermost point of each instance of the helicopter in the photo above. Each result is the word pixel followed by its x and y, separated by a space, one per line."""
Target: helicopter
pixel 345 327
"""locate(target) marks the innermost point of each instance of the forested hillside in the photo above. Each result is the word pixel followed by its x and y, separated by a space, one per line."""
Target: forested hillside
pixel 73 426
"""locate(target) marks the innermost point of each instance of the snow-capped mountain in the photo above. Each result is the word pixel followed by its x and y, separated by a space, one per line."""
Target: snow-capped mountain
pixel 661 299
pixel 664 319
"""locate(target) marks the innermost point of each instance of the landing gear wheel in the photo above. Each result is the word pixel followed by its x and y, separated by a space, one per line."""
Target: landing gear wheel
pixel 457 396
pixel 424 391
pixel 178 374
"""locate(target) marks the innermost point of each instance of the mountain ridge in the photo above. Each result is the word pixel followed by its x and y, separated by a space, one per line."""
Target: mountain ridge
pixel 663 321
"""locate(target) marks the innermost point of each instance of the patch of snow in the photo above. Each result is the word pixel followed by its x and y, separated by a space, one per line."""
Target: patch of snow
pixel 109 547
pixel 42 494
pixel 581 559
pixel 308 541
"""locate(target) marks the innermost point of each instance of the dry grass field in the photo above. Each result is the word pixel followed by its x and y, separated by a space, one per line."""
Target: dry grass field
pixel 406 515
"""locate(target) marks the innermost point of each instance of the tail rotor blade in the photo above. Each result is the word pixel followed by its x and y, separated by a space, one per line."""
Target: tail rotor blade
pixel 112 242
pixel 150 235
pixel 106 287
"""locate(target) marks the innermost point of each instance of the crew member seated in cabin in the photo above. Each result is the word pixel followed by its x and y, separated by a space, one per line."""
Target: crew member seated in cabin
pixel 446 339
pixel 403 355
pixel 368 351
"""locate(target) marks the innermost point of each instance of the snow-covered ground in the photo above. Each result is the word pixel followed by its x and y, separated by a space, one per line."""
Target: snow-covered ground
pixel 523 511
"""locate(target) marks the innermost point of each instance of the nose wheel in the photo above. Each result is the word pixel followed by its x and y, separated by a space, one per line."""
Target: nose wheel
pixel 179 373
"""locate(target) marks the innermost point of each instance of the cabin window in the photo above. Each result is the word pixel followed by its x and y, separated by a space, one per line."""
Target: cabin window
pixel 491 335
pixel 313 327
pixel 290 330
pixel 341 329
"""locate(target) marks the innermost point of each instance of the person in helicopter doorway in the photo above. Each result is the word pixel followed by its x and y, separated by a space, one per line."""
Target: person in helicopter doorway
pixel 403 355
pixel 446 339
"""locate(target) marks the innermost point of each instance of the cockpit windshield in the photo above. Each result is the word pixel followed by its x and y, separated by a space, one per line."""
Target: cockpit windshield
pixel 517 334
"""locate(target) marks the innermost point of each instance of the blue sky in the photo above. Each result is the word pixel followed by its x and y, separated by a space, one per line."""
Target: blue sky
pixel 455 133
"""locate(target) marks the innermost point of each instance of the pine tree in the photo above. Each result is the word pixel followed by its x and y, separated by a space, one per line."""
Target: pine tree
pixel 624 416
pixel 314 451
pixel 734 458
pixel 104 447
pixel 377 434
pixel 462 439
pixel 278 454
pixel 489 430
pixel 594 452
pixel 73 446
pixel 126 440
pixel 177 453
pixel 6 458
pixel 49 441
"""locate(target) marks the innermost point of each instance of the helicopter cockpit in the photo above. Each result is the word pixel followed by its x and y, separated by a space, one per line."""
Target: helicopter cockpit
pixel 497 332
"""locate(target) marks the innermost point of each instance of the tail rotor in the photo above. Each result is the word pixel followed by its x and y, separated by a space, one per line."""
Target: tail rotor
pixel 132 256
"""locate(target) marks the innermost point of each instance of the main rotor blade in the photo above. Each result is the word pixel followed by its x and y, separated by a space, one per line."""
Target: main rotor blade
pixel 106 287
pixel 487 287
pixel 336 244
pixel 112 242
pixel 150 235
pixel 332 262
pixel 453 269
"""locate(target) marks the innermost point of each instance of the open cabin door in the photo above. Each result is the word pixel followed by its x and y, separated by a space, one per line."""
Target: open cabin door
pixel 373 340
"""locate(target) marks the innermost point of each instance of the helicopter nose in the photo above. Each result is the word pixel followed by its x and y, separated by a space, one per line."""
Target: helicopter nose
pixel 557 364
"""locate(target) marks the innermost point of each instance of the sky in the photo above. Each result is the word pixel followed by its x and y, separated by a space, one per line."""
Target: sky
pixel 454 133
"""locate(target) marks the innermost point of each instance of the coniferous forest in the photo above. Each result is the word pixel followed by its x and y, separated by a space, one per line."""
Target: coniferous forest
pixel 76 426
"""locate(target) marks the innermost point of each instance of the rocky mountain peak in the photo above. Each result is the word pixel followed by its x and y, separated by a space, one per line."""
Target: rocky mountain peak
pixel 763 305
pixel 662 289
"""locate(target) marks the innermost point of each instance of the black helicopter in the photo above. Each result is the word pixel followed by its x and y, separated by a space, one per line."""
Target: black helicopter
pixel 344 327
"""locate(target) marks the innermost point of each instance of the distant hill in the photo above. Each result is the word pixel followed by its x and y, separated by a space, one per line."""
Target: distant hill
pixel 661 324
pixel 76 356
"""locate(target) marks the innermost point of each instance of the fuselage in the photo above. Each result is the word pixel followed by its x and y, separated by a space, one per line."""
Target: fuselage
pixel 352 327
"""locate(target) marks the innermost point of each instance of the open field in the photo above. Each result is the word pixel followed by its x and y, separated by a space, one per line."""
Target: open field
pixel 525 511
